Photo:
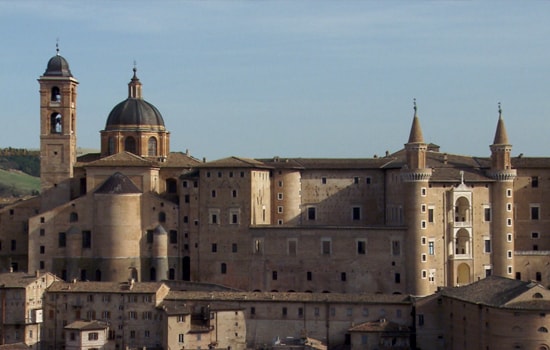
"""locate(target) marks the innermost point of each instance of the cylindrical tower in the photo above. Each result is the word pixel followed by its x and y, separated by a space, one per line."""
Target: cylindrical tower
pixel 116 236
pixel 415 177
pixel 502 201
pixel 160 253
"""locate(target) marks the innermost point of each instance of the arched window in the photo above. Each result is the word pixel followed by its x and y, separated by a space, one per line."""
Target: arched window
pixel 130 144
pixel 73 217
pixel 543 330
pixel 537 296
pixel 55 94
pixel 152 147
pixel 162 216
pixel 111 146
pixel 462 210
pixel 56 123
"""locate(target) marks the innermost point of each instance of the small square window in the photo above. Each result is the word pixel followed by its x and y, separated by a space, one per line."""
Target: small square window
pixel 534 235
pixel 324 180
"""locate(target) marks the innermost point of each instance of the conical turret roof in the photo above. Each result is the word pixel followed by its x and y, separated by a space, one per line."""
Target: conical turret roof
pixel 501 137
pixel 416 131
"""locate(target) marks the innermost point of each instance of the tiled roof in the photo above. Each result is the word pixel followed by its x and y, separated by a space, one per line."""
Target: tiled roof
pixel 290 297
pixel 530 162
pixel 118 183
pixel 180 160
pixel 105 287
pixel 381 325
pixel 16 279
pixel 233 162
pixel 491 291
pixel 342 163
pixel 16 346
pixel 87 325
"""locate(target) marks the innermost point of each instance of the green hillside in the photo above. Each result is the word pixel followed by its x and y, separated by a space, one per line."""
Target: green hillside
pixel 14 183
pixel 19 172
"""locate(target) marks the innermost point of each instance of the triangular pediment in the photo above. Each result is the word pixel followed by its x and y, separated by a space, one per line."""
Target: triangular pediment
pixel 122 159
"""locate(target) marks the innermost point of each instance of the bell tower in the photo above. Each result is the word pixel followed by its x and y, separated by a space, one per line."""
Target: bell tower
pixel 57 131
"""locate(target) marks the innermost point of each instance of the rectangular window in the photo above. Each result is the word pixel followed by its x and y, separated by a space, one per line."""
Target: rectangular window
pixel 214 219
pixel 279 209
pixel 300 312
pixel 361 247
pixel 309 276
pixel 180 338
pixel 253 310
pixel 311 213
pixel 487 214
pixel 42 249
pixel 274 275
pixel 93 336
pixel 397 277
pixel 186 198
pixel 62 239
pixel 86 239
pixel 292 247
pixel 279 196
pixel 326 247
pixel 285 311
pixel 316 312
pixel 324 180
pixel 431 247
pixel 535 212
pixel 343 277
pixel 534 235
pixel 234 247
pixel 368 180
pixel 356 180
pixel 173 237
pixel 430 215
pixel 396 248
pixel 356 213
pixel 420 320
pixel 534 181
pixel 487 245
pixel 214 247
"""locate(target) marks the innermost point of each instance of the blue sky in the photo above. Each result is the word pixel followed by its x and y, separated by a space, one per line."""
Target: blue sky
pixel 290 78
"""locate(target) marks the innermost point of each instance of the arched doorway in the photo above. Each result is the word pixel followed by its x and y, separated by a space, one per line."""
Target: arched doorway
pixel 463 274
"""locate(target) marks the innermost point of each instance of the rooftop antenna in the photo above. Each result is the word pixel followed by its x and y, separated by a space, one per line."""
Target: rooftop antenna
pixel 57 46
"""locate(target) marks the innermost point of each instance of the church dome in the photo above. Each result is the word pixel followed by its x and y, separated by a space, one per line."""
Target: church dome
pixel 135 113
pixel 58 67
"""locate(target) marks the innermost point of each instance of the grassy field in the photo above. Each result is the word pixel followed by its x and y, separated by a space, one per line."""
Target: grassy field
pixel 16 183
